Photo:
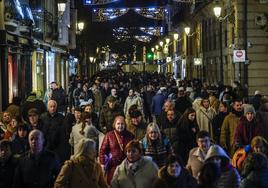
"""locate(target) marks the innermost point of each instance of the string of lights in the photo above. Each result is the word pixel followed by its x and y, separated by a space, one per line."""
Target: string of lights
pixel 105 14
pixel 155 31
pixel 143 38
pixel 98 2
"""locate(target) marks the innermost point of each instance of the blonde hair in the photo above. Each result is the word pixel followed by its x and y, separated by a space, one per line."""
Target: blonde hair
pixel 155 127
pixel 85 147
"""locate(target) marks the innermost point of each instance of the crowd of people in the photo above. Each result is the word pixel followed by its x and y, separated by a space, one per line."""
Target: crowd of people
pixel 135 130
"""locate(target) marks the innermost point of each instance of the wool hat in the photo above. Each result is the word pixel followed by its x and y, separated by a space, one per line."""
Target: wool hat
pixel 249 108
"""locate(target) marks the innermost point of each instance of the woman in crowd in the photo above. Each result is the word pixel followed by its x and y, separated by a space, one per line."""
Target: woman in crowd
pixel 185 135
pixel 258 145
pixel 83 129
pixel 204 116
pixel 156 145
pixel 229 175
pixel 247 128
pixel 136 170
pixel 82 170
pixel 112 149
pixel 173 175
pixel 255 171
pixel 20 143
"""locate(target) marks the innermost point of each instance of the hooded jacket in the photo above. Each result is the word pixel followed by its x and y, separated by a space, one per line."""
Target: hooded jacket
pixel 229 175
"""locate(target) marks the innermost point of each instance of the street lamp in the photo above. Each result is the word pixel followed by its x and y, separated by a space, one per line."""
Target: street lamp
pixel 217 11
pixel 61 9
pixel 176 36
pixel 167 40
pixel 156 47
pixel 187 30
pixel 161 43
pixel 152 49
pixel 80 26
pixel 92 59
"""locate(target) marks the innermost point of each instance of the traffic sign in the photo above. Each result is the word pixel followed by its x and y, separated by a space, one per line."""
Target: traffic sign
pixel 239 56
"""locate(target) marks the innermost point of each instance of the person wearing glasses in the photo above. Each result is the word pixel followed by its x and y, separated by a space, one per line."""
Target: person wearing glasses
pixel 156 145
pixel 198 154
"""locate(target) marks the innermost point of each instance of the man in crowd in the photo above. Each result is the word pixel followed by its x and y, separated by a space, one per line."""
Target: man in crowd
pixel 197 155
pixel 229 125
pixel 38 168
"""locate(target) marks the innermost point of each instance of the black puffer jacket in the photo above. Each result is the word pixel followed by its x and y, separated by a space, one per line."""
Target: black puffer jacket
pixel 256 179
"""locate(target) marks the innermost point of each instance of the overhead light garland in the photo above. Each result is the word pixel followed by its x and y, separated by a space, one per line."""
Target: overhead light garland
pixel 98 2
pixel 155 31
pixel 121 33
pixel 143 38
pixel 105 14
pixel 152 13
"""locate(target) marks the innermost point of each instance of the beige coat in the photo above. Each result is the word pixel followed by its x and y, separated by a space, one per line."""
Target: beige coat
pixel 82 172
pixel 204 119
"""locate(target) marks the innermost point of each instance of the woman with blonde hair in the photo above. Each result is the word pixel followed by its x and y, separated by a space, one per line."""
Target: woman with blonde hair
pixel 156 145
pixel 82 170
pixel 112 148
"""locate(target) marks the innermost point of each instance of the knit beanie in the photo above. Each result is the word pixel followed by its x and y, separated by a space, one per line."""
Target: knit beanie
pixel 249 108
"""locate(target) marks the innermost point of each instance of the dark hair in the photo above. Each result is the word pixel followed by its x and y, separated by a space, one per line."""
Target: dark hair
pixel 224 104
pixel 172 159
pixel 84 116
pixel 202 134
pixel 209 175
pixel 33 111
pixel 188 111
pixel 133 144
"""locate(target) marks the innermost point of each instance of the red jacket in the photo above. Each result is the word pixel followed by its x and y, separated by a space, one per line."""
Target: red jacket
pixel 246 131
pixel 111 146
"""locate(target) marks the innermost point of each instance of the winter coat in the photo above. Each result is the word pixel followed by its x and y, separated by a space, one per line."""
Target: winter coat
pixel 107 116
pixel 133 100
pixel 185 180
pixel 36 171
pixel 98 99
pixel 81 172
pixel 204 119
pixel 89 132
pixel 256 101
pixel 182 103
pixel 229 175
pixel 157 103
pixel 246 131
pixel 216 126
pixel 185 138
pixel 59 96
pixel 256 179
pixel 169 127
pixel 142 177
pixel 195 162
pixel 229 125
pixel 159 150
pixel 111 147
pixel 54 133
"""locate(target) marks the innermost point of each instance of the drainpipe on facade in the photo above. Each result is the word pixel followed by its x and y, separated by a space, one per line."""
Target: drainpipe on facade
pixel 3 59
pixel 221 55
pixel 246 46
